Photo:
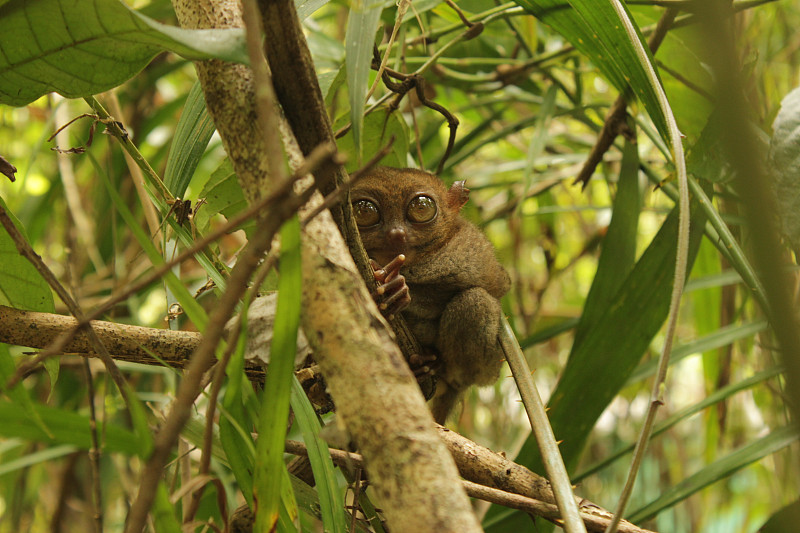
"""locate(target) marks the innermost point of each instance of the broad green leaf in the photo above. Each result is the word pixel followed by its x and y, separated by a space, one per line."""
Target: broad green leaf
pixel 612 347
pixel 19 394
pixel 82 48
pixel 722 468
pixel 270 478
pixel 21 285
pixel 66 426
pixel 614 344
pixel 596 31
pixel 331 500
pixel 362 23
pixel 192 134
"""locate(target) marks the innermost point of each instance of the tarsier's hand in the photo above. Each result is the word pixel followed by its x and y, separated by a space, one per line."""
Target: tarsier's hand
pixel 392 294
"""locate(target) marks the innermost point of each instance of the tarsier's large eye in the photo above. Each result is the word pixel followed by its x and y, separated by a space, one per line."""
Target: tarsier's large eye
pixel 421 209
pixel 366 213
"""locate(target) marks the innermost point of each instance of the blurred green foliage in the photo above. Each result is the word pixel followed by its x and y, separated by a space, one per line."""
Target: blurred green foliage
pixel 530 108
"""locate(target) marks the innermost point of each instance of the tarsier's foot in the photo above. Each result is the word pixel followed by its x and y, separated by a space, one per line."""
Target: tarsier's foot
pixel 392 294
pixel 423 365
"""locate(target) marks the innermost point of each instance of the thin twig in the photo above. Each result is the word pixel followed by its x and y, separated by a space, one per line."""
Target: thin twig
pixel 681 262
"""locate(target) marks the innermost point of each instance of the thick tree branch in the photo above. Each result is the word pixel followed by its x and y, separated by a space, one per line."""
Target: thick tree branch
pixel 374 390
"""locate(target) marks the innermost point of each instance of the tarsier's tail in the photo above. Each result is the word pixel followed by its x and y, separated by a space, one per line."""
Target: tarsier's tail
pixel 443 401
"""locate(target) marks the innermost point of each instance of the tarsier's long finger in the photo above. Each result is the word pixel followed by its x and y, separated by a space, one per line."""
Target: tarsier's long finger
pixel 392 269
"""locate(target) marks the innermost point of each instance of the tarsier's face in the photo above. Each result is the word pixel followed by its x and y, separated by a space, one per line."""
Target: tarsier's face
pixel 399 212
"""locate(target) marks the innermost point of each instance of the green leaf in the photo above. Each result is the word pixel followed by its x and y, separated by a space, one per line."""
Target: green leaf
pixel 331 500
pixel 270 480
pixel 236 441
pixel 618 253
pixel 19 394
pixel 595 29
pixel 615 342
pixel 362 23
pixel 690 410
pixel 192 134
pixel 722 468
pixel 716 339
pixel 164 512
pixel 612 347
pixel 21 285
pixel 306 7
pixel 223 195
pixel 784 520
pixel 379 127
pixel 41 456
pixel 82 48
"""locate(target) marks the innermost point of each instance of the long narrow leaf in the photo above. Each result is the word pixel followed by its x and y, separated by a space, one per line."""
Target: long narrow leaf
pixel 192 134
pixel 193 310
pixel 270 475
pixel 722 468
pixel 362 23
pixel 330 497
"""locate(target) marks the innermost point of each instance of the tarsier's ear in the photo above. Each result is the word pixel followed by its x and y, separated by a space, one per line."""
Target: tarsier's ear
pixel 457 195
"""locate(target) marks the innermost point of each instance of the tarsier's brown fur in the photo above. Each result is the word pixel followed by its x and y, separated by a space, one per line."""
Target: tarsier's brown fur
pixel 453 277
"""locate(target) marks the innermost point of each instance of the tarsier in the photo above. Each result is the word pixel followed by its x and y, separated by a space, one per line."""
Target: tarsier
pixel 439 272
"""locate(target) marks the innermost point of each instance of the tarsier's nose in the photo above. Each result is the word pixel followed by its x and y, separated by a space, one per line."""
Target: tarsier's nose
pixel 396 236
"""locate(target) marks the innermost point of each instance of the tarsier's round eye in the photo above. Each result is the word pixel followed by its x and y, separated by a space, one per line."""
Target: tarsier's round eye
pixel 421 209
pixel 366 213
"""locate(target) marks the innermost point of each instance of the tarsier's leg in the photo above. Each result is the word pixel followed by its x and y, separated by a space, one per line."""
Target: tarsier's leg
pixel 468 348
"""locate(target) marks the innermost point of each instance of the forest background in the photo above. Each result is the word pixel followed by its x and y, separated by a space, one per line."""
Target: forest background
pixel 591 262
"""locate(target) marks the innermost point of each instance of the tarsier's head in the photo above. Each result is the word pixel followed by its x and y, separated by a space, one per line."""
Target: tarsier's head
pixel 405 211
